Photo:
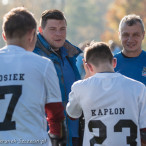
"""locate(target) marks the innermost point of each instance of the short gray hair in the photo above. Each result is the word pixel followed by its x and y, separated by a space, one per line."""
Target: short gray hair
pixel 131 20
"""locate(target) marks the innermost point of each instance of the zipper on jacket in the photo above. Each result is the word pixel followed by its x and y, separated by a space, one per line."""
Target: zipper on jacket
pixel 66 100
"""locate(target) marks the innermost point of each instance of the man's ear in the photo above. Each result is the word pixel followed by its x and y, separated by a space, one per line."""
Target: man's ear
pixel 119 36
pixel 3 35
pixel 114 62
pixel 143 34
pixel 40 30
pixel 32 35
pixel 90 67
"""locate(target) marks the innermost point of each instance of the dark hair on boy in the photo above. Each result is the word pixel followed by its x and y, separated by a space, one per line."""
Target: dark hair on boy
pixel 98 52
pixel 17 22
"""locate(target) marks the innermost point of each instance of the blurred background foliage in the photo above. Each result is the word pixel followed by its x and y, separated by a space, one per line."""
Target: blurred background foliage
pixel 86 19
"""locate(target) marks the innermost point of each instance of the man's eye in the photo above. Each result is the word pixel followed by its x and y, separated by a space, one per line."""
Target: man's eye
pixel 125 35
pixel 63 28
pixel 136 35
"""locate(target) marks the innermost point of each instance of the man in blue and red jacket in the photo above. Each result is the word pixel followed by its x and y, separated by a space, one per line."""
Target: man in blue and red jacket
pixel 52 43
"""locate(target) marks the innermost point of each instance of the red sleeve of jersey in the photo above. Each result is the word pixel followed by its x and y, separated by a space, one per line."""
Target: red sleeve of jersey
pixel 55 117
pixel 143 136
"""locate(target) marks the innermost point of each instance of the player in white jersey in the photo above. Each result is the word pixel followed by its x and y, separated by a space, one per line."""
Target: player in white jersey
pixel 28 86
pixel 114 106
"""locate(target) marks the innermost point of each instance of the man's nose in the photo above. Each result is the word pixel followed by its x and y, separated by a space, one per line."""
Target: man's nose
pixel 130 38
pixel 58 32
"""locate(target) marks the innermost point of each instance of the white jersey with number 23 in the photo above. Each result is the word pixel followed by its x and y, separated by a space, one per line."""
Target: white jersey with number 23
pixel 114 108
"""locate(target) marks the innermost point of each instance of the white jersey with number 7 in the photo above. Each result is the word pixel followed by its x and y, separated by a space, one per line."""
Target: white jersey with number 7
pixel 27 83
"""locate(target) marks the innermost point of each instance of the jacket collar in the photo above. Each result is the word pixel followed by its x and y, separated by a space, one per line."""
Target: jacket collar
pixel 70 49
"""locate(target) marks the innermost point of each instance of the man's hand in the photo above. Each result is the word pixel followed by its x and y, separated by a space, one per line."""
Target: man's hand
pixel 56 141
pixel 143 136
pixel 143 144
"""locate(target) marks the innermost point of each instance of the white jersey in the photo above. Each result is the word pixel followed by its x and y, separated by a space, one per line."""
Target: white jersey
pixel 114 107
pixel 27 83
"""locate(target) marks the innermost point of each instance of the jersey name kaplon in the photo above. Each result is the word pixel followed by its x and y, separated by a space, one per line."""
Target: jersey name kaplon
pixel 110 111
